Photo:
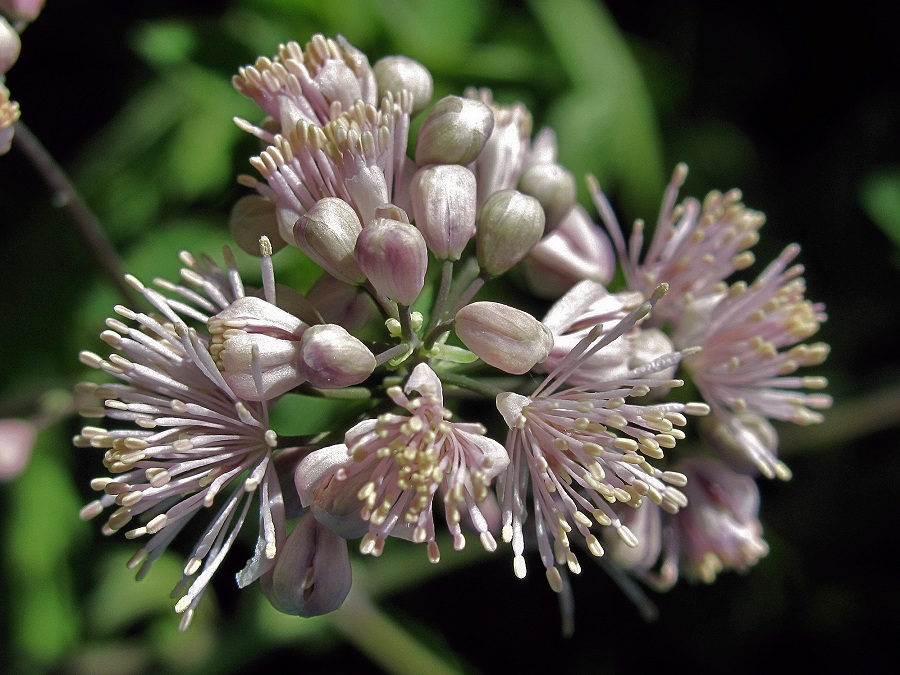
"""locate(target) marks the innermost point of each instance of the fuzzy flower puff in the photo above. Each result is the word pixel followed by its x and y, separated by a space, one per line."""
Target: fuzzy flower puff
pixel 382 480
pixel 584 448
pixel 189 436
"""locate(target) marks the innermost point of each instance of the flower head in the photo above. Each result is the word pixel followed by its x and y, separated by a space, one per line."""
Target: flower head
pixel 388 470
pixel 185 437
pixel 750 352
pixel 584 448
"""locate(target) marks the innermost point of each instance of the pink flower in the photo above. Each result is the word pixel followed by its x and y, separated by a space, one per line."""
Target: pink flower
pixel 382 480
pixel 583 448
pixel 184 436
pixel 750 352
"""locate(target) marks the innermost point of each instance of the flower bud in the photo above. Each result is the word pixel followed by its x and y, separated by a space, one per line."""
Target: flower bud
pixel 509 225
pixel 394 257
pixel 398 73
pixel 21 10
pixel 312 573
pixel 10 45
pixel 253 217
pixel 577 249
pixel 553 186
pixel 454 131
pixel 443 202
pixel 331 358
pixel 16 443
pixel 250 330
pixel 340 303
pixel 503 337
pixel 327 233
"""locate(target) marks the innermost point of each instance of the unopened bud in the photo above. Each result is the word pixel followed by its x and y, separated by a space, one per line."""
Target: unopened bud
pixel 10 45
pixel 327 233
pixel 443 202
pixel 393 256
pixel 553 186
pixel 332 358
pixel 577 249
pixel 503 337
pixel 21 10
pixel 253 217
pixel 509 225
pixel 16 442
pixel 400 73
pixel 454 131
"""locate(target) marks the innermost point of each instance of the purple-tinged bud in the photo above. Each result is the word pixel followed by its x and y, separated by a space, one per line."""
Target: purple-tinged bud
pixel 344 304
pixel 10 45
pixel 327 233
pixel 443 202
pixel 16 442
pixel 553 186
pixel 454 131
pixel 577 249
pixel 312 573
pixel 21 10
pixel 394 257
pixel 509 225
pixel 252 333
pixel 332 358
pixel 253 217
pixel 503 337
pixel 399 73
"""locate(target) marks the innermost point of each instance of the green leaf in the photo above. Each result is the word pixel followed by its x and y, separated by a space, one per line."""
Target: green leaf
pixel 42 528
pixel 880 197
pixel 165 42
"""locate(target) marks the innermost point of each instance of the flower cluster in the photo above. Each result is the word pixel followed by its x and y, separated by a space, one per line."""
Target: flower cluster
pixel 411 248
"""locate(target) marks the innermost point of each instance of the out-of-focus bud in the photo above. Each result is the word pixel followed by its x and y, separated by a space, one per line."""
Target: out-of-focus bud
pixel 399 73
pixel 394 257
pixel 16 442
pixel 454 131
pixel 332 358
pixel 21 10
pixel 10 45
pixel 503 337
pixel 733 435
pixel 249 329
pixel 553 186
pixel 253 217
pixel 509 225
pixel 443 202
pixel 344 304
pixel 577 249
pixel 327 233
pixel 312 573
pixel 721 529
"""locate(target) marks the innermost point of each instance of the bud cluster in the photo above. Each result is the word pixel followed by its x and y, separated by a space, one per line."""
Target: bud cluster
pixel 415 252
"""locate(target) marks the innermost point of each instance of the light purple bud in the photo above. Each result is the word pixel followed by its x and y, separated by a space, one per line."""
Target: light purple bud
pixel 253 217
pixel 252 333
pixel 332 358
pixel 344 304
pixel 553 186
pixel 399 73
pixel 443 201
pixel 509 225
pixel 327 233
pixel 394 257
pixel 312 573
pixel 10 45
pixel 16 443
pixel 22 10
pixel 454 132
pixel 577 249
pixel 503 337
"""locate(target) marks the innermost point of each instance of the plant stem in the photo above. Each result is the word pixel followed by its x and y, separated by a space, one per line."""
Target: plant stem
pixel 468 383
pixel 86 223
